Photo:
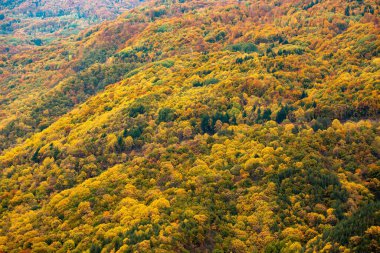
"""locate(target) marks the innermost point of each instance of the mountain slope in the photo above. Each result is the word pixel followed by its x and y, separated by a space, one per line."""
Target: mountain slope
pixel 149 34
pixel 164 161
pixel 37 19
pixel 229 127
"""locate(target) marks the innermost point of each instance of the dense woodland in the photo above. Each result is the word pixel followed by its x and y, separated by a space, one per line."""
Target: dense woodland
pixel 25 24
pixel 41 17
pixel 196 126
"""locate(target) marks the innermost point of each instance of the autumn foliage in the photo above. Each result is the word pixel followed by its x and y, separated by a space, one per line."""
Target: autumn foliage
pixel 196 126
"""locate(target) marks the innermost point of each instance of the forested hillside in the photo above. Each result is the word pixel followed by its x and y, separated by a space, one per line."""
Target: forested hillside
pixel 197 126
pixel 43 17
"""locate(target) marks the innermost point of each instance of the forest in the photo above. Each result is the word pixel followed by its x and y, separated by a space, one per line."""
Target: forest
pixel 193 126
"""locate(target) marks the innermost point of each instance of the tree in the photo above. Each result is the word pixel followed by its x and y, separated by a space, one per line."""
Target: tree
pixel 347 11
pixel 281 114
pixel 95 248
pixel 165 115
pixel 120 144
pixel 206 124
pixel 35 157
pixel 266 115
